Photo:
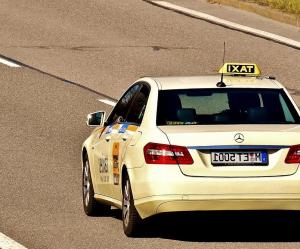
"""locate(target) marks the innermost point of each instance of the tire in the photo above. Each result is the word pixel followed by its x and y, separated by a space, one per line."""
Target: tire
pixel 90 205
pixel 131 218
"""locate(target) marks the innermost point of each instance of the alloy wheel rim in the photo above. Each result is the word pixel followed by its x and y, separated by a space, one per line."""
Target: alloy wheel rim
pixel 86 184
pixel 126 204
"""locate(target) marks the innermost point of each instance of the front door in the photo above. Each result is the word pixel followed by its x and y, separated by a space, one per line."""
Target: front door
pixel 101 149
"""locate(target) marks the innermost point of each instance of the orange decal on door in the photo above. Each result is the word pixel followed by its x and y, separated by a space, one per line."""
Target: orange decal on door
pixel 115 155
pixel 132 128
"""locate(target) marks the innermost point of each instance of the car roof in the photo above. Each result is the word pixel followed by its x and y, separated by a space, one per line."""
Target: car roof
pixel 210 81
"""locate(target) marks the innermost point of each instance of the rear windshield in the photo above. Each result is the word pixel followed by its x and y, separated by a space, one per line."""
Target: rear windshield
pixel 225 106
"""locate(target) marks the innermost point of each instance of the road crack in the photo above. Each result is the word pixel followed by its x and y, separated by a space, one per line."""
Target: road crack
pixel 155 48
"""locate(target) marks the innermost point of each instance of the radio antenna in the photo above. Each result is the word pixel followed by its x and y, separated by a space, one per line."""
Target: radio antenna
pixel 221 83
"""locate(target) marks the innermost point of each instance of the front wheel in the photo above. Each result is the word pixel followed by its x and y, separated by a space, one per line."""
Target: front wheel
pixel 131 218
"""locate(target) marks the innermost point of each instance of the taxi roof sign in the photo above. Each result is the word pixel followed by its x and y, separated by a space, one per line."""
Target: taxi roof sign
pixel 246 69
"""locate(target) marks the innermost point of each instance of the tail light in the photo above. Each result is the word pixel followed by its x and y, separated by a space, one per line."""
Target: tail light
pixel 293 155
pixel 167 154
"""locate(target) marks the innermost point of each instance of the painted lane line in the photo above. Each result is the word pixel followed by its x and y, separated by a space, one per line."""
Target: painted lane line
pixel 108 102
pixel 8 63
pixel 228 24
pixel 8 243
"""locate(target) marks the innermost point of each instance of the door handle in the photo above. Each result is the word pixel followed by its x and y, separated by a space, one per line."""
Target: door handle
pixel 124 137
pixel 108 138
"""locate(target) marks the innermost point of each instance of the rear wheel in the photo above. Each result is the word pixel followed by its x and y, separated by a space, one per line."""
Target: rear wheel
pixel 131 218
pixel 90 205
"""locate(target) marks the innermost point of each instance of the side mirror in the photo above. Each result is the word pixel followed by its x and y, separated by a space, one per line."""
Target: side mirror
pixel 95 119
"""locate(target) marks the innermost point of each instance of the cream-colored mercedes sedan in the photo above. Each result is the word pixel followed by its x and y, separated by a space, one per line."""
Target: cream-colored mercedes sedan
pixel 171 144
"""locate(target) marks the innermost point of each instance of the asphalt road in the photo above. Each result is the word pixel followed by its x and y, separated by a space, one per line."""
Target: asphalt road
pixel 105 45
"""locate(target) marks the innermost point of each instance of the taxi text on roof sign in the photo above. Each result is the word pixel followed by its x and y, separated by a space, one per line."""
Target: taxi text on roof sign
pixel 248 69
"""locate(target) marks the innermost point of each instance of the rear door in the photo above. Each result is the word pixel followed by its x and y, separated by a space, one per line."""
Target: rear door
pixel 107 148
pixel 128 134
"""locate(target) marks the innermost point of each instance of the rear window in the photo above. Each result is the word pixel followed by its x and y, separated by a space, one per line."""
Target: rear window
pixel 225 106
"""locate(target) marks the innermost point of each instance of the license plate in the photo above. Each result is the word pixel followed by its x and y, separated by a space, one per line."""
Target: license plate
pixel 240 158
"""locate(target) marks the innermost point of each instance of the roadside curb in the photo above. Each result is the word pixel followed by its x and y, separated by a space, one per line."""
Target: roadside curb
pixel 274 14
pixel 227 24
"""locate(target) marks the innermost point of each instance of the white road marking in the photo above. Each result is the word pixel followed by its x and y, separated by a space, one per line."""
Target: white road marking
pixel 232 25
pixel 106 101
pixel 8 243
pixel 8 63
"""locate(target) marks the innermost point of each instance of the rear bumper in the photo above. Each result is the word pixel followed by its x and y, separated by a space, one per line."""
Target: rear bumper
pixel 164 204
pixel 160 189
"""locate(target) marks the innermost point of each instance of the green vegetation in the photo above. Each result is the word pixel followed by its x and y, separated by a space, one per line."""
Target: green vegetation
pixel 291 6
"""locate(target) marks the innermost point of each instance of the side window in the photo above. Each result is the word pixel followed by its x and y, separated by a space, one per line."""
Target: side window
pixel 138 106
pixel 122 107
pixel 287 113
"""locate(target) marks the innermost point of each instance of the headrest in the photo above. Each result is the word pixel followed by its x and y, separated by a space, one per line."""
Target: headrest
pixel 186 114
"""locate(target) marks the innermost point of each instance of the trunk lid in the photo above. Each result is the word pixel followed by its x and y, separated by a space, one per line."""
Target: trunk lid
pixel 271 140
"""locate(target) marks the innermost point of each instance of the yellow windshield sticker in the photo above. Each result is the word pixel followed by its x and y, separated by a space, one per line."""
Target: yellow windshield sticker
pixel 169 122
pixel 249 69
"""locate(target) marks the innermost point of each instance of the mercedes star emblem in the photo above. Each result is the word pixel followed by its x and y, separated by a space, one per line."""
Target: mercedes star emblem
pixel 239 138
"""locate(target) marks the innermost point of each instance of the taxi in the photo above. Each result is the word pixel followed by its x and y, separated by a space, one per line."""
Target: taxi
pixel 216 142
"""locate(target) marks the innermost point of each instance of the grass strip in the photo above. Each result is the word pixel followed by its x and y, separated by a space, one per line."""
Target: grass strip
pixel 289 6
